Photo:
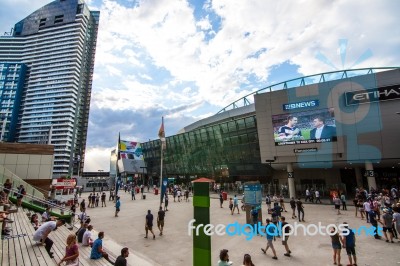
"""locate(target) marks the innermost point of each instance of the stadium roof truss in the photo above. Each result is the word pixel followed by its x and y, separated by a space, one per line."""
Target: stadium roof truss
pixel 303 81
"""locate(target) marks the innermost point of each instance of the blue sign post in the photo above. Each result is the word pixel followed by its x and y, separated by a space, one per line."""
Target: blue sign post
pixel 252 198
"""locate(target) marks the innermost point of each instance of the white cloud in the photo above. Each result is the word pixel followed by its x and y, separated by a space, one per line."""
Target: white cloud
pixel 98 158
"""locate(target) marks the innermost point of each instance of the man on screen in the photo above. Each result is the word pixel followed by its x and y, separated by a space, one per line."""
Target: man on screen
pixel 320 130
pixel 290 130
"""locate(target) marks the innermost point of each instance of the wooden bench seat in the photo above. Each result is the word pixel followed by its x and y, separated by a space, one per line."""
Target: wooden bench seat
pixel 59 238
pixel 21 251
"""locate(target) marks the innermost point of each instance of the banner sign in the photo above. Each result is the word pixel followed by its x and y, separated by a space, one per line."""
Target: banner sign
pixel 131 150
pixel 299 105
pixel 64 183
pixel 373 95
pixel 252 194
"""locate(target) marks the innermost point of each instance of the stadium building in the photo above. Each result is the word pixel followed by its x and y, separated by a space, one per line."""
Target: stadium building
pixel 330 131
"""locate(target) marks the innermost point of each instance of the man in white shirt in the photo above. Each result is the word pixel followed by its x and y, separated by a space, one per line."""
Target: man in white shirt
pixel 41 234
pixel 317 197
pixel 307 195
pixel 367 209
pixel 87 237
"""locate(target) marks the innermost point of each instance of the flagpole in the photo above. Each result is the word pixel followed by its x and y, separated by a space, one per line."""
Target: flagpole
pixel 161 135
pixel 161 175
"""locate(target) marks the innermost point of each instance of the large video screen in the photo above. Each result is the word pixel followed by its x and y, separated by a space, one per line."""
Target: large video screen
pixel 312 126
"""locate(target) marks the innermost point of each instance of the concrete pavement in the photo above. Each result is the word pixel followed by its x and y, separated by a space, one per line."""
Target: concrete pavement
pixel 175 246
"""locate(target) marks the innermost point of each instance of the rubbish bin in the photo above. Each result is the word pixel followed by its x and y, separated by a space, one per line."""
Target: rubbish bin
pixel 143 196
pixel 225 195
pixel 137 190
pixel 156 191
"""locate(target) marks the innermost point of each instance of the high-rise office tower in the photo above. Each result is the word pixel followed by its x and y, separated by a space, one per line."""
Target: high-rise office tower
pixel 57 45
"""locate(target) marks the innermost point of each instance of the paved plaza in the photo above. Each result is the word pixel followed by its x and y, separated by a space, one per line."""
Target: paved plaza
pixel 175 246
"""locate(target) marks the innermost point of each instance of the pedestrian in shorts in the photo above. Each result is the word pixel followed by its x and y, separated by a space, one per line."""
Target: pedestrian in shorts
pixel 149 224
pixel 349 243
pixel 270 232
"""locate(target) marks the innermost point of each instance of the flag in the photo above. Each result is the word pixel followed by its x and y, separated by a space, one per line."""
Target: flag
pixel 119 146
pixel 161 131
pixel 161 134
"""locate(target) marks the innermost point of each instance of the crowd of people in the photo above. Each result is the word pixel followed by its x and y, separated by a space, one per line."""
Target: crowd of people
pixel 376 207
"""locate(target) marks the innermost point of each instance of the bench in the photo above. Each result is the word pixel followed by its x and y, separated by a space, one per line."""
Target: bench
pixel 59 238
pixel 22 250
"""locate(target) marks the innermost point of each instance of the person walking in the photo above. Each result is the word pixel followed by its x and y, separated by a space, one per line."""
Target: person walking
pixel 121 259
pixel 387 222
pixel 221 199
pixel 133 194
pixel 231 205
pixel 343 200
pixel 117 206
pixel 293 206
pixel 286 237
pixel 282 202
pixel 166 202
pixel 82 205
pixel 42 233
pixel 307 195
pixel 300 210
pixel 336 201
pixel 149 224
pixel 160 220
pixel 71 256
pixel 349 243
pixel 235 204
pixel 270 232
pixel 317 197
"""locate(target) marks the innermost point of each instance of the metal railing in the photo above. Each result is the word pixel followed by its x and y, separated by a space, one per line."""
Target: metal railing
pixel 17 181
pixel 39 202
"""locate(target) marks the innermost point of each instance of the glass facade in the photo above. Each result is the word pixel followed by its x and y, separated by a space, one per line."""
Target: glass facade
pixel 227 152
pixel 57 43
pixel 12 77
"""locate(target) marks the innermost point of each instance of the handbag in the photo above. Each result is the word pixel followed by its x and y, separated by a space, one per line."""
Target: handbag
pixel 75 262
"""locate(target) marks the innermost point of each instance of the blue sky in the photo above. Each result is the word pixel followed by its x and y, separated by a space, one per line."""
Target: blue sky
pixel 186 60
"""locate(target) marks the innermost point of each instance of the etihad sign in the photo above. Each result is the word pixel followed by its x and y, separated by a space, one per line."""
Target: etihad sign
pixel 373 95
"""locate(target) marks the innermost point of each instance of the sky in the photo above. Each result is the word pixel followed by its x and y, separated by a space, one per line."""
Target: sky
pixel 186 60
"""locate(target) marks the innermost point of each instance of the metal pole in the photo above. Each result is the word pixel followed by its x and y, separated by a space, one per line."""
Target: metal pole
pixel 161 173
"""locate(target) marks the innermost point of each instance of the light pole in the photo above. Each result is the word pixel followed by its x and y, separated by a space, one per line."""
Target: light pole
pixel 143 167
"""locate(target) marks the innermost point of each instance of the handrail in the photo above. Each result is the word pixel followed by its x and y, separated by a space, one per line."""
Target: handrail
pixel 35 200
pixel 305 80
pixel 17 181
